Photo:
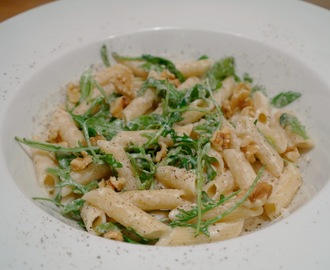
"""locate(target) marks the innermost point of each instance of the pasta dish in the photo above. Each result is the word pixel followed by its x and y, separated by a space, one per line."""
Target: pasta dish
pixel 150 151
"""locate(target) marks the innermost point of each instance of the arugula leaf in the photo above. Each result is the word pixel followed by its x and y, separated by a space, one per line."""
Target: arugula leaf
pixel 292 122
pixel 247 78
pixel 221 70
pixel 198 91
pixel 86 85
pixel 203 57
pixel 163 62
pixel 104 55
pixel 70 210
pixel 162 89
pixel 111 161
pixel 64 159
pixel 140 238
pixel 210 171
pixel 73 207
pixel 67 180
pixel 284 98
pixel 144 122
pixel 185 217
pixel 128 233
pixel 53 147
pixel 106 227
pixel 103 126
pixel 183 153
pixel 143 165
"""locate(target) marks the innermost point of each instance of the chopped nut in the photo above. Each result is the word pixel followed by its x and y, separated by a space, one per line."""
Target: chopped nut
pixel 114 235
pixel 93 140
pixel 79 164
pixel 221 139
pixel 121 77
pixel 73 92
pixel 262 191
pixel 117 183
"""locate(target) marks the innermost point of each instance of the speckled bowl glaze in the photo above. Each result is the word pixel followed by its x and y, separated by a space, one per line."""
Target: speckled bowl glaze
pixel 272 48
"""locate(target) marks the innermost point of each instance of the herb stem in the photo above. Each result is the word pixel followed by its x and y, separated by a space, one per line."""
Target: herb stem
pixel 54 147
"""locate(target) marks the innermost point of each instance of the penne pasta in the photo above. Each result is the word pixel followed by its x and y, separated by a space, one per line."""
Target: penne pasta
pixel 182 236
pixel 284 190
pixel 173 177
pixel 148 151
pixel 162 199
pixel 92 217
pixel 119 153
pixel 126 213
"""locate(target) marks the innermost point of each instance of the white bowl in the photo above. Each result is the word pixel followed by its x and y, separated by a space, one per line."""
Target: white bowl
pixel 270 49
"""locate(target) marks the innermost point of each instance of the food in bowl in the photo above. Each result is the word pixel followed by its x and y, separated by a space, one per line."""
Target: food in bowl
pixel 150 151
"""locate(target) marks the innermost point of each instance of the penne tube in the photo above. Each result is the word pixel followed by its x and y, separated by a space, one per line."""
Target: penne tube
pixel 221 185
pixel 68 130
pixel 194 68
pixel 126 213
pixel 182 236
pixel 225 91
pixel 139 105
pixel 92 217
pixel 283 191
pixel 173 177
pixel 266 152
pixel 262 107
pixel 276 136
pixel 43 160
pixel 148 200
pixel 193 116
pixel 240 168
pixel 90 173
pixel 119 154
pixel 124 138
pixel 189 83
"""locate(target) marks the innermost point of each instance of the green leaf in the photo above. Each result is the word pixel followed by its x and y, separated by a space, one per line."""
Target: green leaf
pixel 102 126
pixel 64 159
pixel 163 62
pixel 86 85
pixel 163 88
pixel 144 122
pixel 53 147
pixel 73 206
pixel 111 161
pixel 284 98
pixel 106 227
pixel 247 78
pixel 140 238
pixel 221 70
pixel 210 171
pixel 143 166
pixel 104 55
pixel 292 122
pixel 203 57
pixel 67 180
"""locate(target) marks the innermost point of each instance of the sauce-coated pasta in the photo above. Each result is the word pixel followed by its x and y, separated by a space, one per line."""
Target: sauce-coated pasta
pixel 148 151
